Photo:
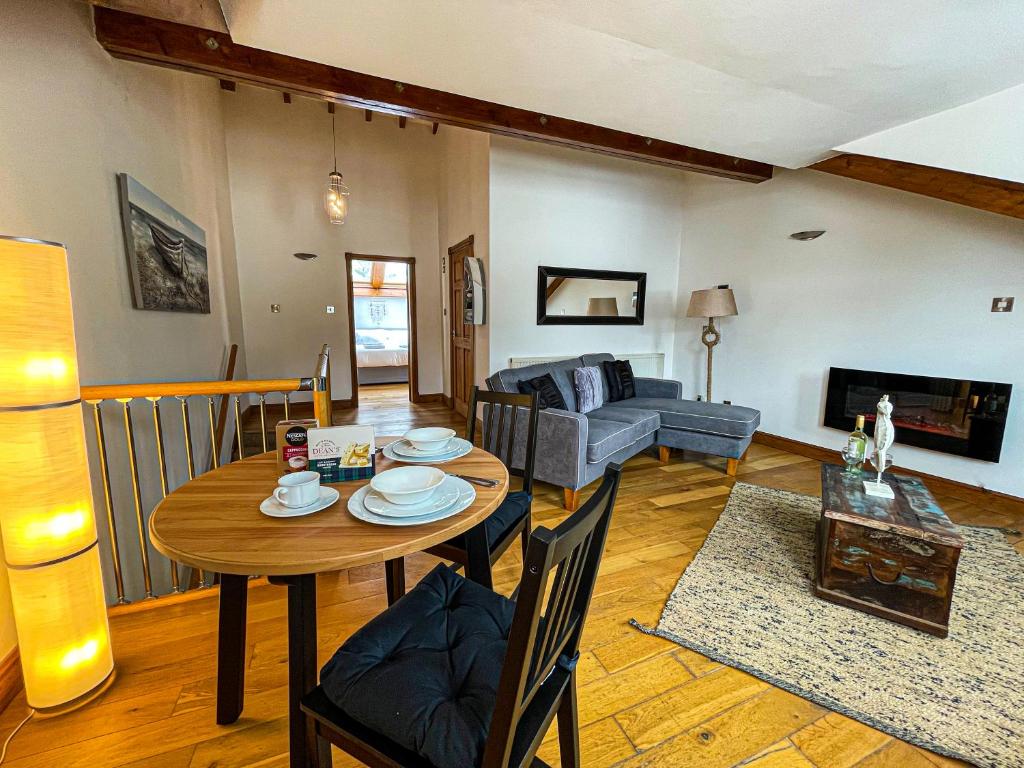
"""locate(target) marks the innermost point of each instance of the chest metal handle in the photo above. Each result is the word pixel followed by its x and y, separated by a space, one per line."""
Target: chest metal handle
pixel 871 571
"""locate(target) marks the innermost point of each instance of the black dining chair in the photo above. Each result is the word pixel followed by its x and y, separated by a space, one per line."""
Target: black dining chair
pixel 504 438
pixel 455 675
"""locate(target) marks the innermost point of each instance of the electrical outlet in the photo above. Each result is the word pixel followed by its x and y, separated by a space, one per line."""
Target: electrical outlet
pixel 330 309
pixel 275 308
pixel 1002 304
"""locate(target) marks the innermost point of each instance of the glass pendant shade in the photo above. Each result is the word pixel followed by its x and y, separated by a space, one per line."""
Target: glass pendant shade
pixel 336 198
pixel 46 515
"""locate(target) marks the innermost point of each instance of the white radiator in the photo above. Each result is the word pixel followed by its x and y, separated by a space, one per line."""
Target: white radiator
pixel 649 364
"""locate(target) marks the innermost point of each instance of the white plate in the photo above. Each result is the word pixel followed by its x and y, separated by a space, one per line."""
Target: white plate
pixel 462 447
pixel 444 496
pixel 273 508
pixel 359 511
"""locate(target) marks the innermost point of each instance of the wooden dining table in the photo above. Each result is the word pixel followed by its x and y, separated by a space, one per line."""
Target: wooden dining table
pixel 214 523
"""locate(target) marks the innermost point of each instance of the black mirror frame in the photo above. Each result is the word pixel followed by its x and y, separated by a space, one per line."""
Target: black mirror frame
pixel 543 318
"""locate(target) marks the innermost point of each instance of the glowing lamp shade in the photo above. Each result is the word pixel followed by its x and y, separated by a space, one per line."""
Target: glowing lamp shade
pixel 46 515
pixel 63 638
pixel 336 198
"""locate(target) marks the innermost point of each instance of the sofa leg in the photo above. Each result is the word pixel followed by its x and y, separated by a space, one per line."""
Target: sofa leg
pixel 731 465
pixel 572 499
pixel 663 453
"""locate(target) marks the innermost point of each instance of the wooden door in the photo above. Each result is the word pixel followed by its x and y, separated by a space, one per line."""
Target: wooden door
pixel 461 346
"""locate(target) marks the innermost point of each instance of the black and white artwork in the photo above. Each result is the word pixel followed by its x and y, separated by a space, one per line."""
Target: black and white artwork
pixel 166 252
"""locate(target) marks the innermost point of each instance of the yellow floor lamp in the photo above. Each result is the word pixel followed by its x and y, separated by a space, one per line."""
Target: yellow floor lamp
pixel 46 516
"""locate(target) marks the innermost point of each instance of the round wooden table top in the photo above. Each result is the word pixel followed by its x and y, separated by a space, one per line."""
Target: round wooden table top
pixel 214 521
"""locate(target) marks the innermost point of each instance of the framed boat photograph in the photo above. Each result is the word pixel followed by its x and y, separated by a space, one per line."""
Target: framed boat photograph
pixel 166 252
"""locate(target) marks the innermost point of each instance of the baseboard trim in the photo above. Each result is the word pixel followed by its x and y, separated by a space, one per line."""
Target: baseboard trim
pixel 449 402
pixel 11 681
pixel 941 485
pixel 343 403
pixel 430 397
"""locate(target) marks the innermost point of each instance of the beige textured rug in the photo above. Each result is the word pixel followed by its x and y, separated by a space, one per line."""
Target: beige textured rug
pixel 746 601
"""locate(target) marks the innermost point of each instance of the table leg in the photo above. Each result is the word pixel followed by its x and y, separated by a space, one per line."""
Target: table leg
pixel 231 647
pixel 478 558
pixel 305 749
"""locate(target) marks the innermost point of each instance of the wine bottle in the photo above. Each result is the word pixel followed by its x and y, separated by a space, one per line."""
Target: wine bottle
pixel 857 444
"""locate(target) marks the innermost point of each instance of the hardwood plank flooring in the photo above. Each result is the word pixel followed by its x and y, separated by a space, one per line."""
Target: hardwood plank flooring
pixel 643 701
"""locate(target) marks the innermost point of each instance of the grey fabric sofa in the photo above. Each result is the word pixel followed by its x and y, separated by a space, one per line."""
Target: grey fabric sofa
pixel 574 448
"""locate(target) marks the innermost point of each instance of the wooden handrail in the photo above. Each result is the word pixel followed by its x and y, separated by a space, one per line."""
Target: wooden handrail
pixel 191 388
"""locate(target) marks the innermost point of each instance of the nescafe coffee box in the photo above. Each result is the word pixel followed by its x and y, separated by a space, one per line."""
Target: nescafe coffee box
pixel 293 444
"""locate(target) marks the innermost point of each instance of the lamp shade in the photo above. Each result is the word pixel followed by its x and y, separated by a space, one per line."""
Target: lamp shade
pixel 46 515
pixel 712 302
pixel 602 307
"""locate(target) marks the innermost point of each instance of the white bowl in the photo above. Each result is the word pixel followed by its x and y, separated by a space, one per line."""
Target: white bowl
pixel 407 485
pixel 430 438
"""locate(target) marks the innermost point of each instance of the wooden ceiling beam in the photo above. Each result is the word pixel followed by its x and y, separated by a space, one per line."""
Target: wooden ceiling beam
pixel 205 14
pixel 208 52
pixel 981 192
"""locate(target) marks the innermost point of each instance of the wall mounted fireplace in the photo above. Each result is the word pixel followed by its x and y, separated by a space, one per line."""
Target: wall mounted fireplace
pixel 958 416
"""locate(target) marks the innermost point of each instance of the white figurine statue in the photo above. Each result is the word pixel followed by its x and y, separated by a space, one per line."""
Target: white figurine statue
pixel 885 434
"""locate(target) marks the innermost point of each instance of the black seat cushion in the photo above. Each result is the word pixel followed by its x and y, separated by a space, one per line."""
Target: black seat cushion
pixel 425 673
pixel 509 512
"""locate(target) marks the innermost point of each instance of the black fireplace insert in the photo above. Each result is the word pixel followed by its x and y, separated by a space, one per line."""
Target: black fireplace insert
pixel 957 416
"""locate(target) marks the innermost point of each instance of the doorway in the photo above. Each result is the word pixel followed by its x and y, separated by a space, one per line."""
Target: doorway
pixel 461 349
pixel 382 322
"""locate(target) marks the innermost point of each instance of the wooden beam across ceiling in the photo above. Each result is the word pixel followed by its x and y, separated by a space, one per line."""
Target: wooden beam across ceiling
pixel 982 192
pixel 206 14
pixel 213 53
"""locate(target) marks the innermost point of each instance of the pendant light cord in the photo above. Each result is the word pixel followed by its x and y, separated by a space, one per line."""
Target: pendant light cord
pixel 3 752
pixel 334 142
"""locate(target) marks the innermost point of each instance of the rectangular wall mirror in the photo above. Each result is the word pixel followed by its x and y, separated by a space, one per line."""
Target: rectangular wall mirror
pixel 589 296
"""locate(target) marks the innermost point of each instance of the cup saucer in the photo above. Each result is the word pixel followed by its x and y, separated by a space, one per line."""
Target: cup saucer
pixel 271 507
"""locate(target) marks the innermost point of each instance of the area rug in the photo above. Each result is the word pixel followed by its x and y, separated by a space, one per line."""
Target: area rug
pixel 746 601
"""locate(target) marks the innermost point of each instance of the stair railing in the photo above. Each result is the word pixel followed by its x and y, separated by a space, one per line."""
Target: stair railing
pixel 155 459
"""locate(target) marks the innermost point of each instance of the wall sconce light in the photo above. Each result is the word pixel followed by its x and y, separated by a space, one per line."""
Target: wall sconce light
pixel 810 234
pixel 46 515
pixel 304 256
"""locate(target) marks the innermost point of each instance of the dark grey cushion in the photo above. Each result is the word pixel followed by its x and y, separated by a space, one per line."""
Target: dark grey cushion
pixel 511 510
pixel 561 371
pixel 699 416
pixel 425 672
pixel 548 394
pixel 605 436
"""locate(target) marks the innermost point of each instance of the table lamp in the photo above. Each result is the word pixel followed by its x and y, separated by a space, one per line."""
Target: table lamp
pixel 49 530
pixel 711 303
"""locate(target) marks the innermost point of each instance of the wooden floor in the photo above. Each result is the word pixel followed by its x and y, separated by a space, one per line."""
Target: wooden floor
pixel 643 700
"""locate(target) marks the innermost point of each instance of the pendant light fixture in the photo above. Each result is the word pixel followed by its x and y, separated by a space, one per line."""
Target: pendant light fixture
pixel 336 194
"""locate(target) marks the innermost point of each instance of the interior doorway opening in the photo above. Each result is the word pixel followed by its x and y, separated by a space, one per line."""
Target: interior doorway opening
pixel 382 322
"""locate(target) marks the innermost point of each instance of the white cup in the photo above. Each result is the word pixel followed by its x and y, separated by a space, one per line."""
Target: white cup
pixel 299 489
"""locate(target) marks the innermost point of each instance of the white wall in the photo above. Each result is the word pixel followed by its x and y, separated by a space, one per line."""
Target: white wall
pixel 899 283
pixel 463 210
pixel 982 137
pixel 72 117
pixel 279 156
pixel 565 208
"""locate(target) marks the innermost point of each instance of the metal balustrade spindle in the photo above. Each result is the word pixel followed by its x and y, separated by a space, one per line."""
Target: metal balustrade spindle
pixel 190 465
pixel 158 436
pixel 115 549
pixel 129 432
pixel 263 420
pixel 213 432
pixel 238 425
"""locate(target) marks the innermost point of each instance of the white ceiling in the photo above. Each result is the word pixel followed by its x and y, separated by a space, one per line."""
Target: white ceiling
pixel 782 81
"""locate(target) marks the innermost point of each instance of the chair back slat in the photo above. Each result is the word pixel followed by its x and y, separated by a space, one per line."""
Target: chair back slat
pixel 501 439
pixel 546 633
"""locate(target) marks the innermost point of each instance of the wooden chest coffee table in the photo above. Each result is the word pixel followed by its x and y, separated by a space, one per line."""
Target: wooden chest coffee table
pixel 894 558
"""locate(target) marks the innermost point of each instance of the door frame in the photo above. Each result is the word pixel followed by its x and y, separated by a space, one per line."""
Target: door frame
pixel 410 262
pixel 466 243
